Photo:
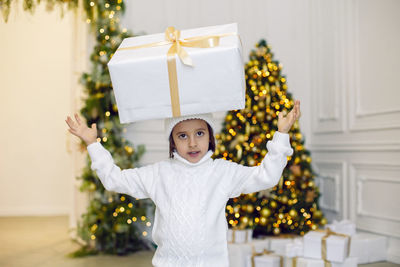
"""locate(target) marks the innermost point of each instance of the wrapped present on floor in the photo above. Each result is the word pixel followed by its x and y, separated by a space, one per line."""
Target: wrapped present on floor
pixel 238 253
pixel 368 248
pixel 239 235
pixel 326 245
pixel 266 258
pixel 278 243
pixel 294 249
pixel 178 73
pixel 343 227
pixel 307 262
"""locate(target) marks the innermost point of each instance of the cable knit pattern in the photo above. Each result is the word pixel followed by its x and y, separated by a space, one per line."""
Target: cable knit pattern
pixel 190 227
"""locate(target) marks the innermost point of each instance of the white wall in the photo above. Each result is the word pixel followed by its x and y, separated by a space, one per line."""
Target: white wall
pixel 342 61
pixel 355 133
pixel 38 86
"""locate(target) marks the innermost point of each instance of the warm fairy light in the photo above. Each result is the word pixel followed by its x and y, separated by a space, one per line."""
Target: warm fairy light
pixel 115 214
pixel 88 21
pixel 104 139
pixel 108 113
pixel 148 224
pixel 101 30
pixel 130 205
pixel 122 198
pixel 98 139
pixel 122 209
pixel 144 233
pixel 93 237
pixel 134 219
pixel 129 221
pixel 107 5
pixel 91 3
pixel 143 218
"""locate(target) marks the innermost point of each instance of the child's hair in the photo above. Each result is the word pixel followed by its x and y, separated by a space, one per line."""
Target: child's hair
pixel 211 144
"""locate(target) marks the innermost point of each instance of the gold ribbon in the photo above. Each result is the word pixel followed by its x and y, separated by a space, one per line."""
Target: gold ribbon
pixel 265 252
pixel 328 232
pixel 246 236
pixel 172 37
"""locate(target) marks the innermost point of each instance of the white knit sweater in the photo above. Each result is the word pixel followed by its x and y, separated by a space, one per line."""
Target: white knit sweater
pixel 190 226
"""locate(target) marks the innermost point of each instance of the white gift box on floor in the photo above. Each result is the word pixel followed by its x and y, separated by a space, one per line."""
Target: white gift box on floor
pixel 268 260
pixel 368 248
pixel 141 76
pixel 336 246
pixel 238 253
pixel 343 227
pixel 294 249
pixel 307 262
pixel 239 236
pixel 278 244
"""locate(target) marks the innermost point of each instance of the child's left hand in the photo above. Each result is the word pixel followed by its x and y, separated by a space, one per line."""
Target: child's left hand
pixel 285 123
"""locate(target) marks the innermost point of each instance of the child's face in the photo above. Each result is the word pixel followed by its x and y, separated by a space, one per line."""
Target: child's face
pixel 191 138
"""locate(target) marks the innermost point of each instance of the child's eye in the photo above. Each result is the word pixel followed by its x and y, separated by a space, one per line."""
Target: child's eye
pixel 182 136
pixel 200 133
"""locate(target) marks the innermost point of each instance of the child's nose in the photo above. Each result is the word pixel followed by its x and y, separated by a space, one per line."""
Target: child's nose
pixel 192 142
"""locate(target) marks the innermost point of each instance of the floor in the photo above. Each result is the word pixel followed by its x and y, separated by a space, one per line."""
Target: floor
pixel 44 242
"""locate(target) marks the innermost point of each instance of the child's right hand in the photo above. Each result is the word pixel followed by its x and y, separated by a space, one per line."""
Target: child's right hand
pixel 88 135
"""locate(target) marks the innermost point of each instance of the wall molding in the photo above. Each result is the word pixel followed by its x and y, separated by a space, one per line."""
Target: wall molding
pixel 333 121
pixel 362 173
pixel 359 118
pixel 355 147
pixel 333 171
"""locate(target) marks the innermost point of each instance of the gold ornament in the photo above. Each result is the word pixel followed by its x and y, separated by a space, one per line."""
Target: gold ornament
pixel 244 220
pixel 293 213
pixel 295 170
pixel 317 214
pixel 265 212
pixel 250 208
pixel 263 221
pixel 277 231
pixel 273 204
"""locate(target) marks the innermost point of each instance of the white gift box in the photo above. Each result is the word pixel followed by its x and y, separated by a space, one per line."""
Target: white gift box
pixel 336 246
pixel 368 248
pixel 268 260
pixel 307 262
pixel 278 244
pixel 238 253
pixel 239 236
pixel 141 82
pixel 343 227
pixel 294 249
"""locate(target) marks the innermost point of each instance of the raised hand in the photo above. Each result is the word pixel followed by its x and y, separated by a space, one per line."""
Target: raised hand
pixel 285 123
pixel 79 128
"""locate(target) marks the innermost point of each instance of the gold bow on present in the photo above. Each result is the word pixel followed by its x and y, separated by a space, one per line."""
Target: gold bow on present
pixel 328 232
pixel 265 252
pixel 172 37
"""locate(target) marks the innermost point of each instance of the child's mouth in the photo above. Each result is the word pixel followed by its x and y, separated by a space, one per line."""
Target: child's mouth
pixel 194 154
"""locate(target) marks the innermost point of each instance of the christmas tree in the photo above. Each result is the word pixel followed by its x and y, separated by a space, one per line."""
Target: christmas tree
pixel 110 224
pixel 292 205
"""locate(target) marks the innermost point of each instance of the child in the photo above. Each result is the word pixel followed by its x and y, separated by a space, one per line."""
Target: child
pixel 190 189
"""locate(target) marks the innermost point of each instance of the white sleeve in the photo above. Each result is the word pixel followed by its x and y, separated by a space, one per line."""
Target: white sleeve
pixel 137 182
pixel 245 180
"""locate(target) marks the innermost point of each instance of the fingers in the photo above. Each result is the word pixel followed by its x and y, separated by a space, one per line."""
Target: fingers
pixel 70 122
pixel 78 119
